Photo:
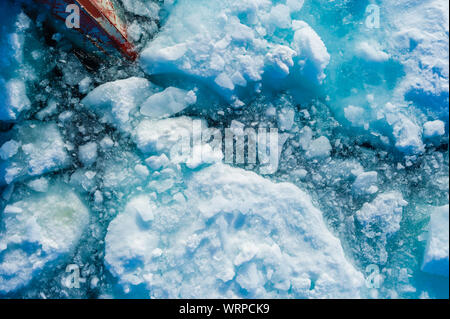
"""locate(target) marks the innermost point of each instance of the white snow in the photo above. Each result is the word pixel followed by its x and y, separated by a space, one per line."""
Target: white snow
pixel 382 217
pixel 313 53
pixel 366 183
pixel 371 52
pixel 355 115
pixel 215 44
pixel 236 234
pixel 42 150
pixel 434 128
pixel 319 148
pixel 168 102
pixel 39 229
pixel 116 101
pixel 87 153
pixel 9 149
pixel 435 260
pixel 14 99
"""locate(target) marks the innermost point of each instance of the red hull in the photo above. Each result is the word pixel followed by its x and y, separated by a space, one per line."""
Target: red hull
pixel 99 24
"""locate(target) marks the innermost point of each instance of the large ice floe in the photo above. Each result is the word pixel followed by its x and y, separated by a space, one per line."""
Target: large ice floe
pixel 124 171
pixel 236 45
pixel 39 229
pixel 224 232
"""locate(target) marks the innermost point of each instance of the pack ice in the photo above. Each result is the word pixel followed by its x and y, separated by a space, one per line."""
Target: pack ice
pixel 21 60
pixel 231 45
pixel 219 231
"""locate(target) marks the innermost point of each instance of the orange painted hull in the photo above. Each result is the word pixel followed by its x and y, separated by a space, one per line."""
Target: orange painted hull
pixel 99 24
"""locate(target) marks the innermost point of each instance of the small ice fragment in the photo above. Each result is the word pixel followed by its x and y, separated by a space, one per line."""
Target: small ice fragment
pixel 141 170
pixel 168 102
pixel 84 84
pixel 87 153
pixel 9 149
pixel 10 209
pixel 319 148
pixel 157 162
pixel 434 128
pixel 39 185
pixel 98 197
pixel 365 183
pixel 106 143
pixel 435 260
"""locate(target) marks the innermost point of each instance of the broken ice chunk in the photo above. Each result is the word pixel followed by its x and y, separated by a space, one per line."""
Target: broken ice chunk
pixel 232 233
pixel 435 260
pixel 161 136
pixel 9 149
pixel 156 162
pixel 371 52
pixel 319 148
pixel 39 185
pixel 84 180
pixel 379 221
pixel 13 95
pixel 365 183
pixel 120 171
pixel 168 102
pixel 313 53
pixel 408 135
pixel 116 101
pixel 143 8
pixel 42 151
pixel 286 118
pixel 87 153
pixel 49 110
pixel 230 51
pixel 434 128
pixel 382 216
pixel 38 230
pixel 84 85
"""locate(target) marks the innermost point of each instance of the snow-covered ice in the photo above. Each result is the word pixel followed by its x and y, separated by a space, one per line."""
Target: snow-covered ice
pixel 41 150
pixel 435 260
pixel 230 48
pixel 434 128
pixel 366 183
pixel 39 229
pixel 229 233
